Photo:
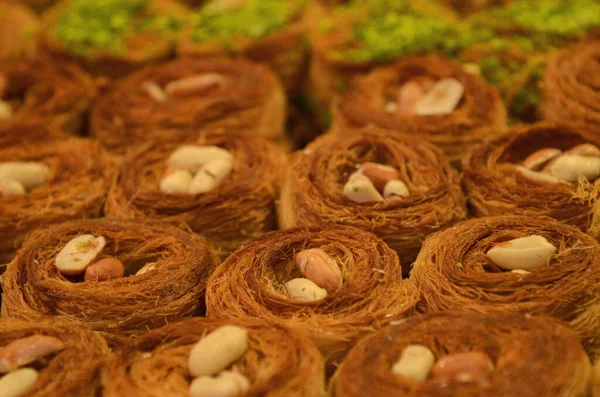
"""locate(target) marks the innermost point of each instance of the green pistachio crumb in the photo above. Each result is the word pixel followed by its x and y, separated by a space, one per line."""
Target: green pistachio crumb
pixel 255 19
pixel 104 24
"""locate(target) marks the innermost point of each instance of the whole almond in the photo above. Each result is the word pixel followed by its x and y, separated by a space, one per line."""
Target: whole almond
pixel 78 253
pixel 362 191
pixel 304 290
pixel 193 158
pixel 27 350
pixel 472 367
pixel 30 174
pixel 194 85
pixel 105 269
pixel 525 253
pixel 408 97
pixel 536 160
pixel 442 98
pixel 415 363
pixel 218 350
pixel 17 383
pixel 319 268
pixel 379 174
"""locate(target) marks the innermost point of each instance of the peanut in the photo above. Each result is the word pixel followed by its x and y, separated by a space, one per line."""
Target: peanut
pixel 218 350
pixel 537 176
pixel 154 91
pixel 362 191
pixel 176 182
pixel 148 267
pixel 408 96
pixel 568 167
pixel 396 187
pixel 193 158
pixel 211 176
pixel 415 363
pixel 442 98
pixel 526 253
pixel 379 174
pixel 30 174
pixel 536 160
pixel 304 290
pixel 585 149
pixel 193 85
pixel 17 383
pixel 27 350
pixel 205 386
pixel 241 380
pixel 105 269
pixel 6 110
pixel 319 268
pixel 78 253
pixel 473 367
pixel 10 187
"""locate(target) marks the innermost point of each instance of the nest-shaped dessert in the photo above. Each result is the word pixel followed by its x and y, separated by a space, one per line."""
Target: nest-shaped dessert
pixel 453 272
pixel 57 94
pixel 250 283
pixel 239 95
pixel 278 42
pixel 279 362
pixel 118 308
pixel 355 37
pixel 79 176
pixel 496 186
pixel 240 209
pixel 313 190
pixel 513 43
pixel 571 85
pixel 480 114
pixel 18 31
pixel 112 37
pixel 72 371
pixel 532 356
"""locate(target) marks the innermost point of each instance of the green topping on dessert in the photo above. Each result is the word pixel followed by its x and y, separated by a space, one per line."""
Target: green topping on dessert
pixel 569 18
pixel 104 24
pixel 254 19
pixel 388 32
pixel 544 24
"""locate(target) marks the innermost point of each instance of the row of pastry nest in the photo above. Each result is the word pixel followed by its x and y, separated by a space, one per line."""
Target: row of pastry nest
pixel 464 322
pixel 186 142
pixel 315 280
pixel 508 44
